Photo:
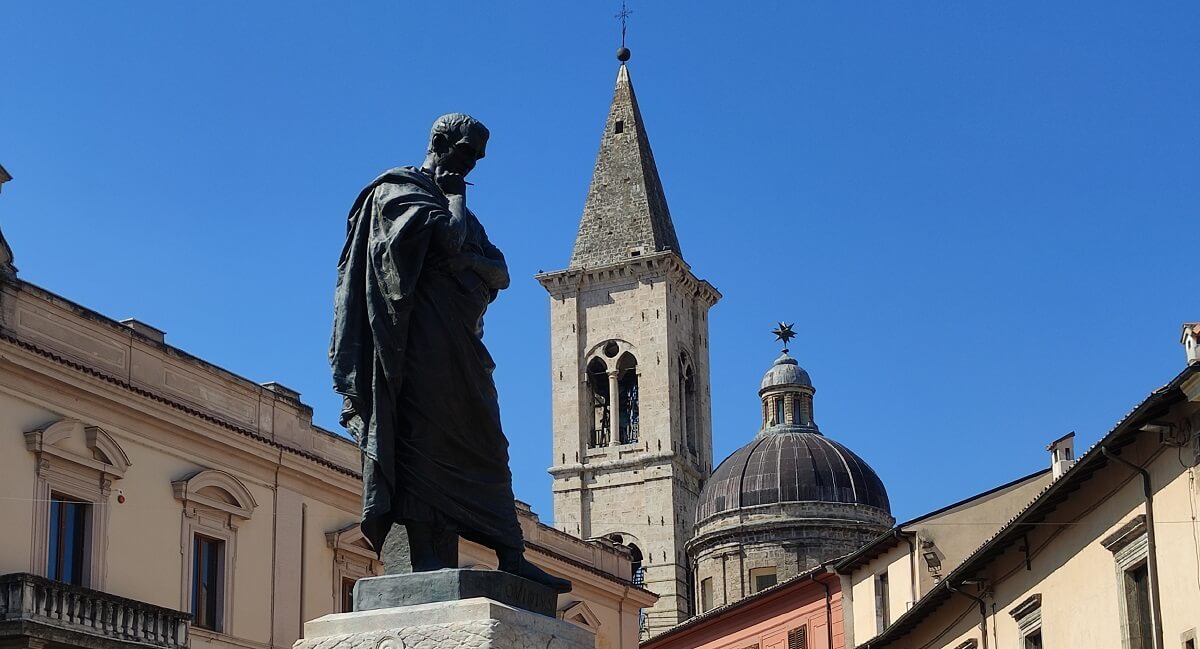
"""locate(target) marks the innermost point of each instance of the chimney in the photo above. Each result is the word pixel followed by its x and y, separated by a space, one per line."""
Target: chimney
pixel 1191 341
pixel 153 333
pixel 1062 454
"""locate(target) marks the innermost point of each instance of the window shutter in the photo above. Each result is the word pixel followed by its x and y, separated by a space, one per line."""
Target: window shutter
pixel 798 638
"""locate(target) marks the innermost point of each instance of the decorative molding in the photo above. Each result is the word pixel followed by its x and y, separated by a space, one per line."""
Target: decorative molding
pixel 214 524
pixel 107 456
pixel 1126 534
pixel 579 614
pixel 88 478
pixel 353 558
pixel 240 502
pixel 1031 604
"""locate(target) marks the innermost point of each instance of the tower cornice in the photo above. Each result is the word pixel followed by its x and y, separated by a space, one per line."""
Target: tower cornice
pixel 657 266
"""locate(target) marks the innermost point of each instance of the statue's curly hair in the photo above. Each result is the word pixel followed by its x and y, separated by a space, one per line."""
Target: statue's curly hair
pixel 458 127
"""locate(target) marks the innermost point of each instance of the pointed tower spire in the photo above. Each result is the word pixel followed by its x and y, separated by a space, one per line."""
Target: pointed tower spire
pixel 626 212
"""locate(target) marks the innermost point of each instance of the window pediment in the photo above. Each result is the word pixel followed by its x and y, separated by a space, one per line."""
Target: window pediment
pixel 350 540
pixel 217 490
pixel 579 614
pixel 90 447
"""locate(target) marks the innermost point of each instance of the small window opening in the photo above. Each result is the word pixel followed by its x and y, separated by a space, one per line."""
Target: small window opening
pixel 619 127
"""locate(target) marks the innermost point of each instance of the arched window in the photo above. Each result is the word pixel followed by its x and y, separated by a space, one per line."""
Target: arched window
pixel 779 411
pixel 627 389
pixel 689 407
pixel 637 572
pixel 597 375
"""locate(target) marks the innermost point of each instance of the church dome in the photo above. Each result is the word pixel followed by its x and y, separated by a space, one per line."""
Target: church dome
pixel 786 372
pixel 786 502
pixel 791 466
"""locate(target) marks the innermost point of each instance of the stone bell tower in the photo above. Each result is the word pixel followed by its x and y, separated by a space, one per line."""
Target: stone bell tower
pixel 629 369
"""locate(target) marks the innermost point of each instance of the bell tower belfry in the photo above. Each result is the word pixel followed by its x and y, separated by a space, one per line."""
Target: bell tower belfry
pixel 629 369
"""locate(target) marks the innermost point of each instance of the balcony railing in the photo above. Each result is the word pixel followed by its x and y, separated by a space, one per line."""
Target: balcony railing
pixel 26 598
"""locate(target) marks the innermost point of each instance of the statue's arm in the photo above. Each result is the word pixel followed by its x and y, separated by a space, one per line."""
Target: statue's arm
pixel 491 267
pixel 451 229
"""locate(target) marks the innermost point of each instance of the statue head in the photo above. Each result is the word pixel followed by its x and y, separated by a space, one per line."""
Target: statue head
pixel 456 142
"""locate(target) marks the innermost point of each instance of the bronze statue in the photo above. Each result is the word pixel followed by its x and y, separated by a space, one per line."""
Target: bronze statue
pixel 414 280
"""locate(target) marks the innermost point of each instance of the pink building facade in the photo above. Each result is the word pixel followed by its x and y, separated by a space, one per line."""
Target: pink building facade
pixel 804 612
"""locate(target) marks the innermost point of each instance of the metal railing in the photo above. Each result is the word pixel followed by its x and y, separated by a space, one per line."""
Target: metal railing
pixel 29 598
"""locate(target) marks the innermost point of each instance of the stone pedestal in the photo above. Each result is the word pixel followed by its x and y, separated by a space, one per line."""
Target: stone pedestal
pixel 475 623
pixel 472 609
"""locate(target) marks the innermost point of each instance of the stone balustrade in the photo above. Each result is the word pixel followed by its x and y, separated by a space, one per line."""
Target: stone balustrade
pixel 90 617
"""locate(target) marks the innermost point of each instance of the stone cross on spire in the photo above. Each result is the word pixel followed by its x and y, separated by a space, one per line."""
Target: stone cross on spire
pixel 626 212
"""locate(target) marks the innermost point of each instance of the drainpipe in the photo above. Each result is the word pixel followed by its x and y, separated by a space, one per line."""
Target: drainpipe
pixel 982 612
pixel 912 562
pixel 828 603
pixel 1151 551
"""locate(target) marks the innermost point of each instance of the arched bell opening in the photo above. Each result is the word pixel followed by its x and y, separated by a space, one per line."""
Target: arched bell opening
pixel 627 391
pixel 601 428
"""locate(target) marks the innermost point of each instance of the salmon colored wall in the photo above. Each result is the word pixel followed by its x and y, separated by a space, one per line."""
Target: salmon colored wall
pixel 766 620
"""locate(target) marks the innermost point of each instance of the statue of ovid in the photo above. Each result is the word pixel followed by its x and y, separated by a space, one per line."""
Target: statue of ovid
pixel 415 277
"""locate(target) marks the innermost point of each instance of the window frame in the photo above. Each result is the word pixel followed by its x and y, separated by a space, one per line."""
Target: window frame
pixel 84 478
pixel 217 519
pixel 762 571
pixel 218 612
pixel 706 603
pixel 1028 617
pixel 352 560
pixel 1130 547
pixel 883 603
pixel 82 545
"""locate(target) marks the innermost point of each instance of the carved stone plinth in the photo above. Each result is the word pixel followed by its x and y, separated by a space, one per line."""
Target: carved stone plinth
pixel 476 623
pixel 453 584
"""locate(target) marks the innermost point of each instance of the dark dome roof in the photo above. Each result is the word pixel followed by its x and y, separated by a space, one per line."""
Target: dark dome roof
pixel 779 467
pixel 785 372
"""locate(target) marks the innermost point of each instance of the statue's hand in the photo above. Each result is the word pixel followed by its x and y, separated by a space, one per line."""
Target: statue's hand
pixel 451 183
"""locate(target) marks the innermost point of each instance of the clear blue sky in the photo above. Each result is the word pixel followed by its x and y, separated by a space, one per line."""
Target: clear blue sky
pixel 981 216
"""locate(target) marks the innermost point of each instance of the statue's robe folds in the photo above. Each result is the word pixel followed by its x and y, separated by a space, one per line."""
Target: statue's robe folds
pixel 408 356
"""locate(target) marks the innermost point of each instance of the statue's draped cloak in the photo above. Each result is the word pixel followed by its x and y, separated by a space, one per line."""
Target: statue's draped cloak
pixel 408 355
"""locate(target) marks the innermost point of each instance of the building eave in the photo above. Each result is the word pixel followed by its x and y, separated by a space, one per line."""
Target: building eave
pixel 1056 492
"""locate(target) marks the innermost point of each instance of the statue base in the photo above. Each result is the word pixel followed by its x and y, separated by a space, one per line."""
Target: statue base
pixel 476 623
pixel 372 593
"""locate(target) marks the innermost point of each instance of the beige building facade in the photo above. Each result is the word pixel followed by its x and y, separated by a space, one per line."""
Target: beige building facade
pixel 1105 556
pixel 629 370
pixel 151 497
pixel 886 577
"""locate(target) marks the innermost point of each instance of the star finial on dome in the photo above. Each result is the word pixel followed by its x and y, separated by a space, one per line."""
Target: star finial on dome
pixel 784 333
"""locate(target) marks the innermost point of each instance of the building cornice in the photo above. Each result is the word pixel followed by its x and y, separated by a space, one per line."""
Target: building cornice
pixel 191 412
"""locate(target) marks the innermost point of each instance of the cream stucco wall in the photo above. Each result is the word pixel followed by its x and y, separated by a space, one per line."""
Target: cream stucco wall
pixel 956 531
pixel 173 416
pixel 1075 575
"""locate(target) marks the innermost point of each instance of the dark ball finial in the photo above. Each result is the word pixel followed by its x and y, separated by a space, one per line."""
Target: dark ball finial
pixel 623 54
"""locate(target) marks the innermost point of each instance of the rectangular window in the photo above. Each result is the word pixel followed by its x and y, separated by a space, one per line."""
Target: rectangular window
pixel 208 582
pixel 1033 640
pixel 68 539
pixel 762 578
pixel 347 594
pixel 882 615
pixel 706 594
pixel 1137 607
pixel 798 638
